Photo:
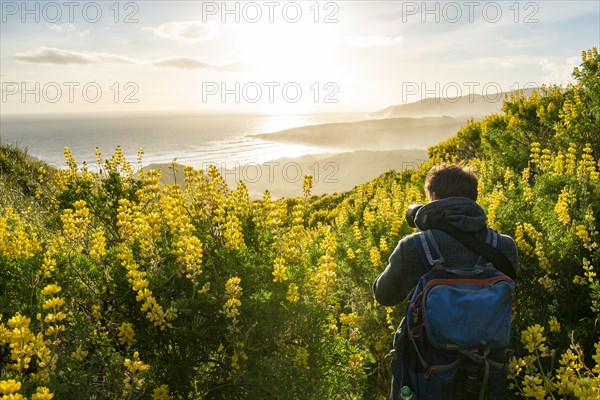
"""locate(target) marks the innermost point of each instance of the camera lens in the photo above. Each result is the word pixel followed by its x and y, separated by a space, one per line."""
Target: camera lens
pixel 411 213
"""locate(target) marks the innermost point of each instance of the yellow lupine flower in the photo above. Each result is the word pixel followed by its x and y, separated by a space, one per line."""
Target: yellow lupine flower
pixel 515 366
pixel 528 193
pixel 126 334
pixel 54 302
pixel 355 362
pixel 589 270
pixel 307 185
pixel 533 339
pixel 570 158
pixel 325 277
pixel 22 342
pixel 562 206
pixel 356 231
pixel 554 325
pixel 96 311
pixel 301 358
pixel 375 257
pixel 520 237
pixel 42 393
pixel 51 289
pixel 238 356
pixel 134 367
pixel 9 386
pixel 587 165
pixel 161 393
pixel 75 221
pixel 389 319
pixel 189 253
pixel 233 232
pixel 79 354
pixel 534 156
pixel 596 357
pixel 349 319
pixel 368 218
pixel 532 387
pixel 154 311
pixel 98 249
pixel 17 237
pixel 383 246
pixel 279 270
pixel 233 292
pixel 350 254
pixel 559 164
pixel 292 294
pixel 582 232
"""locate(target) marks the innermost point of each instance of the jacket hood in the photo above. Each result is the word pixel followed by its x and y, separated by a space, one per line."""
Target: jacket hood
pixel 460 212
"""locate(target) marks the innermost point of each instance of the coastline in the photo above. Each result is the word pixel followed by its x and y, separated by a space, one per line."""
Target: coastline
pixel 332 172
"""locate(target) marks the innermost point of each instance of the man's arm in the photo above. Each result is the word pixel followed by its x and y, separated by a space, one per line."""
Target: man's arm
pixel 509 248
pixel 401 274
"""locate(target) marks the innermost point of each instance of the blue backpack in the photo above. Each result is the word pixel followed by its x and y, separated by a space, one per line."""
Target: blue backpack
pixel 453 342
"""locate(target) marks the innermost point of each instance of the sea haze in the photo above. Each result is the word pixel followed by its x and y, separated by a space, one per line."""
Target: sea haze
pixel 195 139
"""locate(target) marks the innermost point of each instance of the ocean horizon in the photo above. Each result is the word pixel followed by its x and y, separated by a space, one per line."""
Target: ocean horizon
pixel 194 139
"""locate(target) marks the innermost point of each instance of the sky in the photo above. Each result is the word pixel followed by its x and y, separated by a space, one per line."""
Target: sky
pixel 280 57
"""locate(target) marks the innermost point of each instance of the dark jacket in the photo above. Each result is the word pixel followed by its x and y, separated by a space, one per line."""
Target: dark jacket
pixel 405 266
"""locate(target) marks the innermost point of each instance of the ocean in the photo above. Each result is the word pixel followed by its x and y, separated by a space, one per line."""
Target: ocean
pixel 227 140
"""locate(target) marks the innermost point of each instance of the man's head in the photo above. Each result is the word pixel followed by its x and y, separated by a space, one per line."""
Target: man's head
pixel 450 180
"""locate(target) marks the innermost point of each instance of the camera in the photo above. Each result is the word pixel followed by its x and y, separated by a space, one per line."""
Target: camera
pixel 411 213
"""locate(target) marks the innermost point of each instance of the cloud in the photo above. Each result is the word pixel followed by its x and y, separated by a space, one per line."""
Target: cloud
pixel 194 63
pixel 185 31
pixel 68 28
pixel 558 72
pixel 375 41
pixel 49 55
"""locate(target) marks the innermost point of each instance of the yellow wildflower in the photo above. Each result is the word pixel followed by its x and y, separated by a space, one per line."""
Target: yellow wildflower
pixel 10 386
pixel 349 319
pixel 126 334
pixel 375 257
pixel 355 362
pixel 79 354
pixel 532 387
pixel 161 393
pixel 533 339
pixel 50 289
pixel 292 293
pixel 350 254
pixel 42 393
pixel 562 206
pixel 301 358
pixel 279 270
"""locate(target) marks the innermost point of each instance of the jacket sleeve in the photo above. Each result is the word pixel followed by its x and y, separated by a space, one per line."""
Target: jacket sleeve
pixel 401 274
pixel 509 248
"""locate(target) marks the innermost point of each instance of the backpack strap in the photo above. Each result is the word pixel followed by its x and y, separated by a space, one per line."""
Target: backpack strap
pixel 495 256
pixel 492 238
pixel 431 255
pixel 428 249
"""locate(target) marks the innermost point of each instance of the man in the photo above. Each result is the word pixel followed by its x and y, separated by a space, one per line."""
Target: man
pixel 452 191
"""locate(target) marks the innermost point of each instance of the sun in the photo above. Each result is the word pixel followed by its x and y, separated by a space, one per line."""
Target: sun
pixel 288 51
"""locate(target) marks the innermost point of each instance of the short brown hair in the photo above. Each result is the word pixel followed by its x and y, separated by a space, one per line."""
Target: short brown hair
pixel 451 180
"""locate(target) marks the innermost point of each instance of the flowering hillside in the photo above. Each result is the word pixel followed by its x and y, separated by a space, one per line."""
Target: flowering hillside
pixel 113 286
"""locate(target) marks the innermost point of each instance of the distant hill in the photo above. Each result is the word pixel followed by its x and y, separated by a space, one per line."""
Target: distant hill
pixel 331 172
pixel 377 134
pixel 476 106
